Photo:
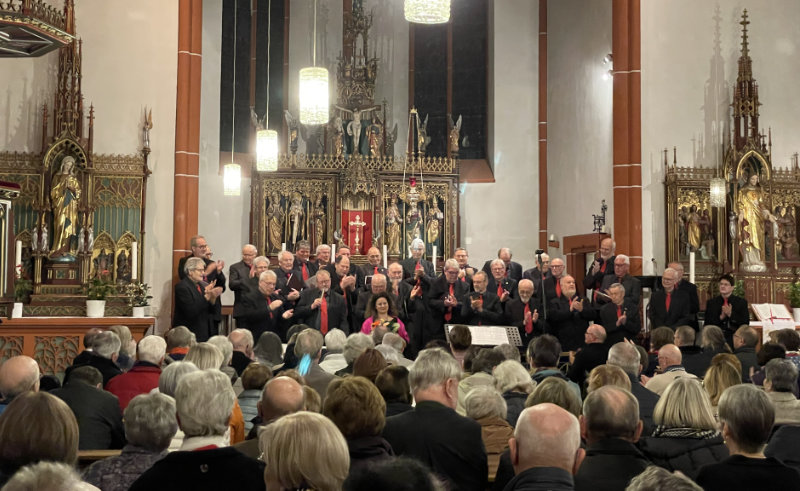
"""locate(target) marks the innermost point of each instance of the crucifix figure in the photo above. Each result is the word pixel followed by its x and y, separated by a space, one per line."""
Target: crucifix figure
pixel 359 226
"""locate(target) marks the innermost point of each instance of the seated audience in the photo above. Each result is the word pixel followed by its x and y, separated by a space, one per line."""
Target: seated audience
pixel 509 352
pixel 392 382
pixel 669 359
pixel 432 432
pixel 747 416
pixel 226 348
pixel 694 359
pixel 242 341
pixel 105 350
pixel 513 382
pixel 769 351
pixel 603 375
pixel 398 344
pixel 179 340
pixel 482 368
pixel 593 354
pixel 656 478
pixel 18 375
pixel 309 342
pixel 88 338
pixel 725 371
pixel 356 407
pixel 313 401
pixel 783 445
pixel 781 379
pixel 369 364
pixel 545 449
pixel 269 350
pixel 304 451
pixel 713 341
pixel 744 347
pixel 611 426
pixel 555 391
pixel 628 358
pixel 167 383
pixel 381 311
pixel 460 341
pixel 543 356
pixel 150 425
pixel 790 340
pixel 254 377
pixel 686 435
pixel 127 348
pixel 54 437
pixel 143 376
pixel 486 406
pixel 47 476
pixel 356 344
pixel 204 402
pixel 334 346
pixel 395 474
pixel 659 337
pixel 97 411
pixel 390 354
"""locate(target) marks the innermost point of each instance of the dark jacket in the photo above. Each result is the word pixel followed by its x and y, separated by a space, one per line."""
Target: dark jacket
pixel 508 285
pixel 513 268
pixel 739 314
pixel 783 445
pixel 695 360
pixel 395 408
pixel 240 282
pixel 595 281
pixel 439 290
pixel 367 450
pixel 239 362
pixel 193 310
pixel 740 472
pixel 216 276
pixel 683 454
pixel 568 326
pixel 337 310
pixel 98 414
pixel 628 330
pixel 541 479
pixel 679 312
pixel 119 472
pixel 410 264
pixel 515 316
pixel 747 356
pixel 647 404
pixel 449 444
pixel 107 368
pixel 256 316
pixel 515 402
pixel 590 356
pixel 632 285
pixel 491 314
pixel 609 465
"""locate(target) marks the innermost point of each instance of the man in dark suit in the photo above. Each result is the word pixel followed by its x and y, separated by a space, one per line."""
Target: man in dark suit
pixel 593 354
pixel 602 265
pixel 626 356
pixel 289 280
pixel 406 306
pixel 433 433
pixel 505 288
pixel 377 285
pixel 465 270
pixel 344 281
pixel 323 256
pixel 194 303
pixel 445 298
pixel 213 272
pixel 322 308
pixel 481 307
pixel 691 291
pixel 262 309
pixel 633 287
pixel 669 307
pixel 551 286
pixel 524 312
pixel 620 317
pixel 306 268
pixel 352 269
pixel 104 354
pixel 569 315
pixel 513 269
pixel 372 268
pixel 416 262
pixel 243 277
pixel 97 411
pixel 727 310
pixel 538 272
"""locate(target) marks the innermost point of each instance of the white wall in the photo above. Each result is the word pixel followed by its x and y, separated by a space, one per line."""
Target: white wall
pixel 579 107
pixel 505 213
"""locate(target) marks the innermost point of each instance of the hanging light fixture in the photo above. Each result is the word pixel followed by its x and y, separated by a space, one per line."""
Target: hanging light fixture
pixel 427 11
pixel 232 173
pixel 314 87
pixel 267 139
pixel 717 199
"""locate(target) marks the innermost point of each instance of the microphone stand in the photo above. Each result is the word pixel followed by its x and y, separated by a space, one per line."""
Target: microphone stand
pixel 539 253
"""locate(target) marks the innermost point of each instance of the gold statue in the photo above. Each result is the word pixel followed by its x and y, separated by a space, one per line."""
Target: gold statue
pixel 337 138
pixel 693 229
pixel 413 219
pixel 64 195
pixel 318 216
pixel 375 135
pixel 296 217
pixel 275 223
pixel 393 220
pixel 432 228
pixel 752 213
pixel 455 133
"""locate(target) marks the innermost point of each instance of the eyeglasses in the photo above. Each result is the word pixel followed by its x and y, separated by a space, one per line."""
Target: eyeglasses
pixel 199 269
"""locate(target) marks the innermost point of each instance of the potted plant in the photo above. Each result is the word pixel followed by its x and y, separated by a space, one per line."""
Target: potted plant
pixel 794 299
pixel 96 293
pixel 138 297
pixel 22 291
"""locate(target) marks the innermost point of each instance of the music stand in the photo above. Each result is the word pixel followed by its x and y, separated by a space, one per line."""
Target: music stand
pixel 489 335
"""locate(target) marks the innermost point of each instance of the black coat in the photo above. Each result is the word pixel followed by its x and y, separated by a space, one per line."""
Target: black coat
pixel 647 404
pixel 740 314
pixel 515 316
pixel 193 310
pixel 783 445
pixel 508 285
pixel 568 326
pixel 240 282
pixel 679 313
pixel 740 472
pixel 337 311
pixel 311 268
pixel 256 315
pixel 747 356
pixel 687 455
pixel 632 285
pixel 440 289
pixel 629 330
pixel 548 290
pixel 595 281
pixel 694 300
pixel 98 414
pixel 609 465
pixel 491 313
pixel 449 444
pixel 513 268
pixel 695 360
pixel 285 282
pixel 590 356
pixel 215 275
pixel 107 368
pixel 410 264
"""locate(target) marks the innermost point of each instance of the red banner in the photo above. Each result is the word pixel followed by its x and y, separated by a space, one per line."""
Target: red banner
pixel 357 230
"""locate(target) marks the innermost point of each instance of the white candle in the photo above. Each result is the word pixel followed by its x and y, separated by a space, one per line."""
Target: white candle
pixel 691 267
pixel 283 246
pixel 134 259
pixel 333 253
pixel 434 260
pixel 385 257
pixel 18 259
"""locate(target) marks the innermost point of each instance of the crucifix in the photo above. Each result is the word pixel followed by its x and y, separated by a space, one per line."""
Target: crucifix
pixel 359 226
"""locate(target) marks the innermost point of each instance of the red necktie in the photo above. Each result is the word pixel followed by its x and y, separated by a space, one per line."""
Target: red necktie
pixel 464 278
pixel 603 267
pixel 558 287
pixel 449 314
pixel 724 302
pixel 376 270
pixel 418 266
pixel 323 316
pixel 200 290
pixel 619 311
pixel 528 324
pixel 499 289
pixel 669 295
pixel 305 272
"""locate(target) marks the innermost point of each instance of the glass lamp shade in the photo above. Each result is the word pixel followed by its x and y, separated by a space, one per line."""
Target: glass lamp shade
pixel 232 179
pixel 717 192
pixel 427 11
pixel 314 95
pixel 267 150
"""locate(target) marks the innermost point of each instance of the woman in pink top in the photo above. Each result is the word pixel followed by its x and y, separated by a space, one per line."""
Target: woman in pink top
pixel 382 312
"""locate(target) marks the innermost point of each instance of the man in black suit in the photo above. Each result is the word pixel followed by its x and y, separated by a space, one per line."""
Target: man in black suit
pixel 693 358
pixel 465 270
pixel 593 354
pixel 289 280
pixel 416 262
pixel 322 308
pixel 433 433
pixel 344 281
pixel 213 272
pixel 323 256
pixel 194 302
pixel 691 291
pixel 372 268
pixel 669 307
pixel 352 269
pixel 104 354
pixel 406 306
pixel 620 317
pixel 262 309
pixel 243 277
pixel 445 298
pixel 536 273
pixel 727 310
pixel 97 411
pixel 524 312
pixel 302 265
pixel 602 265
pixel 551 286
pixel 513 269
pixel 377 285
pixel 626 356
pixel 482 307
pixel 633 287
pixel 505 288
pixel 569 315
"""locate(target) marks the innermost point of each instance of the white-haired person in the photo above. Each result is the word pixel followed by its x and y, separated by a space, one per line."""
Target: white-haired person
pixel 105 350
pixel 150 425
pixel 204 401
pixel 143 377
pixel 486 406
pixel 515 384
pixel 334 346
pixel 168 383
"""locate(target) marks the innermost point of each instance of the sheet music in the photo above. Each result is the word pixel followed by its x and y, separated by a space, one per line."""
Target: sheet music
pixel 487 335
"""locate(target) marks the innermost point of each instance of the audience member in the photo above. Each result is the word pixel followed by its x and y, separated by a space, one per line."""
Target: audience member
pixel 97 411
pixel 269 350
pixel 460 340
pixel 356 344
pixel 392 382
pixel 611 426
pixel 313 401
pixel 398 344
pixel 150 425
pixel 226 348
pixel 167 383
pixel 725 371
pixel 390 354
pixel 433 432
pixel 205 356
pixel 204 402
pixel 545 449
pixel 515 384
pixel 486 406
pixel 747 416
pixel 334 345
pixel 127 348
pixel 88 338
pixel 744 347
pixel 669 359
pixel 769 351
pixel 143 376
pixel 627 357
pixel 555 391
pixel 105 350
pixel 659 337
pixel 780 381
pixel 309 342
pixel 694 359
pixel 369 364
pixel 593 354
pixel 603 375
pixel 790 340
pixel 47 476
pixel 686 436
pixel 242 342
pixel 713 341
pixel 179 340
pixel 543 355
pixel 482 368
pixel 18 375
pixel 656 478
pixel 53 437
pixel 509 352
pixel 254 377
pixel 395 474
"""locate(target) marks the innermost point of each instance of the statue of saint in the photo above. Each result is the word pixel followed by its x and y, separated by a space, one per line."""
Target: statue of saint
pixel 275 223
pixel 64 195
pixel 432 227
pixel 752 214
pixel 375 135
pixel 693 229
pixel 337 138
pixel 455 133
pixel 393 220
pixel 123 266
pixel 296 214
pixel 413 221
pixel 318 216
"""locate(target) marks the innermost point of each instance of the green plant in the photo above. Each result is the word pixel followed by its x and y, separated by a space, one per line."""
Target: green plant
pixel 738 288
pixel 99 289
pixel 138 294
pixel 794 294
pixel 22 289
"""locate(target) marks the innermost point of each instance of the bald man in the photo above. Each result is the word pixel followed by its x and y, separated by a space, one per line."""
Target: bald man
pixel 669 361
pixel 595 353
pixel 525 312
pixel 322 308
pixel 682 285
pixel 513 270
pixel 670 307
pixel 546 449
pixel 602 266
pixel 19 374
pixel 373 267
